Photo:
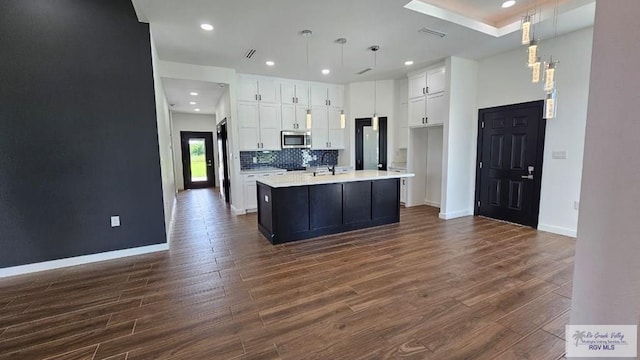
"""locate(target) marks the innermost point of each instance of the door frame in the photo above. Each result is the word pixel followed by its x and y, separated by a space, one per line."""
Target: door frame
pixel 223 138
pixel 537 182
pixel 382 141
pixel 186 163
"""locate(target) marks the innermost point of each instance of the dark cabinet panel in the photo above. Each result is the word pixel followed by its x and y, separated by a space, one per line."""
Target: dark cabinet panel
pixel 326 205
pixel 385 194
pixel 357 202
pixel 292 208
pixel 265 202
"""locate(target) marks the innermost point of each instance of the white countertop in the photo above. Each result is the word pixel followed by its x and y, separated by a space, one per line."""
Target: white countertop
pixel 304 179
pixel 266 169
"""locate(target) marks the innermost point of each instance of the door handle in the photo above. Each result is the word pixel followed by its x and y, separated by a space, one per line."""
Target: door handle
pixel 528 177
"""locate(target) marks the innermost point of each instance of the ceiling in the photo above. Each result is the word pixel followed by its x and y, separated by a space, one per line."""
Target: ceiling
pixel 178 92
pixel 474 29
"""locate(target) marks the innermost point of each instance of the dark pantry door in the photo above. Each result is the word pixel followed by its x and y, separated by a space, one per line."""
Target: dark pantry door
pixel 509 169
pixel 197 159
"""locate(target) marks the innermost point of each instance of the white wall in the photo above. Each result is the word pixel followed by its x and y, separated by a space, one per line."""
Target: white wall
pixel 435 137
pixel 360 104
pixel 459 139
pixel 504 79
pixel 164 143
pixel 192 122
pixel 606 285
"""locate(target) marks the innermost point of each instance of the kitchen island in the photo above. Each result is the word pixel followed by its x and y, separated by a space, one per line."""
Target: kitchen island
pixel 302 206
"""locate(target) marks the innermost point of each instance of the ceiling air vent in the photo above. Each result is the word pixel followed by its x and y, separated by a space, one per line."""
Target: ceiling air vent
pixel 364 71
pixel 432 32
pixel 250 53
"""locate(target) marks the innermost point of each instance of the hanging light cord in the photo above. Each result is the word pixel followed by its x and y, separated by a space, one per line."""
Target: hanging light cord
pixel 555 21
pixel 375 82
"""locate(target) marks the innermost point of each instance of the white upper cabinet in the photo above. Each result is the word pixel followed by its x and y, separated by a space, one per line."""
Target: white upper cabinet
pixel 335 94
pixel 436 108
pixel 248 115
pixel 417 111
pixel 336 133
pixel 269 91
pixel 288 93
pixel 327 95
pixel 264 90
pixel 436 81
pixel 247 89
pixel 302 94
pixel 319 95
pixel 427 98
pixel 267 106
pixel 417 85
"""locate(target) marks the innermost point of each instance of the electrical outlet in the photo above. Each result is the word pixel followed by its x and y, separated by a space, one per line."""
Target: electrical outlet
pixel 255 160
pixel 576 205
pixel 115 221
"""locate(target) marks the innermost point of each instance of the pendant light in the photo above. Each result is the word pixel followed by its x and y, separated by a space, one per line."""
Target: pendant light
pixel 550 99
pixel 526 29
pixel 342 41
pixel 374 120
pixel 535 71
pixel 307 34
pixel 533 52
pixel 550 105
pixel 550 75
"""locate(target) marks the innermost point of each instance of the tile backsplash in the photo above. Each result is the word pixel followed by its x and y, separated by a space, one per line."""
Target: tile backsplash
pixel 290 159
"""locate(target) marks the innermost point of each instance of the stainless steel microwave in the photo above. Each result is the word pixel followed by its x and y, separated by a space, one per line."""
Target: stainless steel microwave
pixel 296 140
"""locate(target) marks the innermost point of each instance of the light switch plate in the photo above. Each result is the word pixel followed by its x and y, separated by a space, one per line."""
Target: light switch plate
pixel 115 221
pixel 266 198
pixel 559 154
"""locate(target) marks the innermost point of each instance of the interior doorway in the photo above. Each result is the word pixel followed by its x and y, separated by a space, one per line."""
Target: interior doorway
pixel 371 145
pixel 509 164
pixel 197 159
pixel 223 155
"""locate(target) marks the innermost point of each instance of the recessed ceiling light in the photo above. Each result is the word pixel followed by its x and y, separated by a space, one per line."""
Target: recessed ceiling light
pixel 207 27
pixel 196 110
pixel 408 62
pixel 508 4
pixel 192 103
pixel 270 63
pixel 326 71
pixel 193 93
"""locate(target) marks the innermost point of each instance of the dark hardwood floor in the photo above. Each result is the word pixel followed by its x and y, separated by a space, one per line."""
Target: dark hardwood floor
pixel 468 288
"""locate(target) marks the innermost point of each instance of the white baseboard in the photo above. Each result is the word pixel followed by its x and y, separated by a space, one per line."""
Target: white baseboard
pixel 79 260
pixel 236 211
pixel 172 220
pixel 455 214
pixel 558 230
pixel 432 203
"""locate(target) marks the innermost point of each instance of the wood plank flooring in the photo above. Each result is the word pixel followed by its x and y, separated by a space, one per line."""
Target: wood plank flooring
pixel 468 288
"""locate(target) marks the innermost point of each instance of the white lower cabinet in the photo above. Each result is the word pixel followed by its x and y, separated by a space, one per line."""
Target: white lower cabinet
pixel 403 184
pixel 250 188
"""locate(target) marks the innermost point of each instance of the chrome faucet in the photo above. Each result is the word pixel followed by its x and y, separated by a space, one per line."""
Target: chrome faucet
pixel 332 168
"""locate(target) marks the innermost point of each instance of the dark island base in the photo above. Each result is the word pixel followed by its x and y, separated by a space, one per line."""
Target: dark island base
pixel 301 212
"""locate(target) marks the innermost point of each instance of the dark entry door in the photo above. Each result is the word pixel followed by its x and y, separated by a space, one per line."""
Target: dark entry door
pixel 197 159
pixel 510 152
pixel 371 146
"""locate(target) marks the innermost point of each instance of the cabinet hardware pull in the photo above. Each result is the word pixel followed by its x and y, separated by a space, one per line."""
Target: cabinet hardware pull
pixel 260 97
pixel 427 89
pixel 256 97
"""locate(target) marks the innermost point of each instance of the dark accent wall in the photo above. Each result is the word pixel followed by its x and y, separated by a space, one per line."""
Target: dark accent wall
pixel 78 133
pixel 289 159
